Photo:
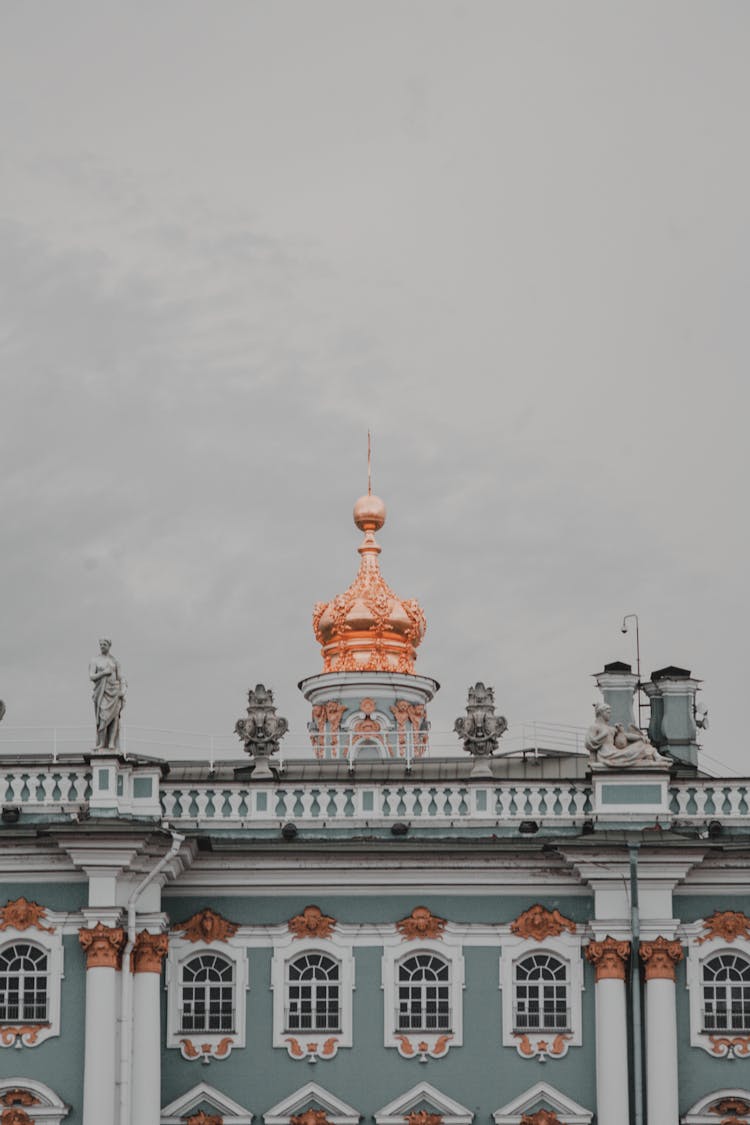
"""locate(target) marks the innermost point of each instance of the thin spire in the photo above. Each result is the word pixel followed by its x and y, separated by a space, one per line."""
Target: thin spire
pixel 369 464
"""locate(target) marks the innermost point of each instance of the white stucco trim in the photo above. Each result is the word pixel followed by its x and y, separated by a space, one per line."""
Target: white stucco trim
pixel 452 1112
pixel 199 1044
pixel 568 1111
pixel 232 1112
pixel 543 1044
pixel 337 1111
pixel 311 1045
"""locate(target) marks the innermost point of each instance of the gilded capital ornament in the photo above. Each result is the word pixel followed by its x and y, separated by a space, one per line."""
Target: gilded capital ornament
pixel 609 958
pixel 103 946
pixel 148 952
pixel 542 1117
pixel 422 1117
pixel 660 958
pixel 202 1118
pixel 19 1097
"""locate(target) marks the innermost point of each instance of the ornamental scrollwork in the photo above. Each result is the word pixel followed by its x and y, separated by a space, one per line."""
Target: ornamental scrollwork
pixel 660 958
pixel 480 729
pixel 726 924
pixel 263 729
pixel 311 923
pixel 609 958
pixel 103 946
pixel 20 914
pixel 421 923
pixel 206 926
pixel 539 923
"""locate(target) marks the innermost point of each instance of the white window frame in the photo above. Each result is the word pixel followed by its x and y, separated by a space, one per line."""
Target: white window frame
pixel 542 1044
pixel 202 1044
pixel 422 1044
pixel 51 944
pixel 718 1044
pixel 311 1044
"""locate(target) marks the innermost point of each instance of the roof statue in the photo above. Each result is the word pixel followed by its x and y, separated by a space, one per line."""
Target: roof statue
pixel 369 628
pixel 108 695
pixel 618 748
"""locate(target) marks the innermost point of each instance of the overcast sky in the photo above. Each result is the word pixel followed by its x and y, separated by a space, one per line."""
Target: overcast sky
pixel 511 238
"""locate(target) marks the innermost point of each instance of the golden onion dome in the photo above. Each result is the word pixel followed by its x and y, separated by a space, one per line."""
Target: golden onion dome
pixel 368 628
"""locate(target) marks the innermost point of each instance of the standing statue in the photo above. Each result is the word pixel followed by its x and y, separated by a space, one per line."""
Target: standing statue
pixel 109 696
pixel 480 729
pixel 618 748
pixel 262 730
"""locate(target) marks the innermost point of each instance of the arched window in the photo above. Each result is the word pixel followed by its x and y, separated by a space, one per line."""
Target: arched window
pixel 312 989
pixel 207 994
pixel 23 984
pixel 541 994
pixel 424 989
pixel 726 993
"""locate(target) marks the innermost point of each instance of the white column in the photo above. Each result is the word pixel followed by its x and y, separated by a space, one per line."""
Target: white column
pixel 103 948
pixel 148 954
pixel 660 957
pixel 609 958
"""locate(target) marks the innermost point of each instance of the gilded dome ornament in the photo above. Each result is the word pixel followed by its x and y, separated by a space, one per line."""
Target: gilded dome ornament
pixel 369 628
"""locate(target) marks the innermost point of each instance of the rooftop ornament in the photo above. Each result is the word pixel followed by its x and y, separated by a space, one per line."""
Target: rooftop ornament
pixel 481 729
pixel 262 730
pixel 108 695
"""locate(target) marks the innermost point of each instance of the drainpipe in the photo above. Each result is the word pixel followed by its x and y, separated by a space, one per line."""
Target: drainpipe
pixel 126 997
pixel 635 985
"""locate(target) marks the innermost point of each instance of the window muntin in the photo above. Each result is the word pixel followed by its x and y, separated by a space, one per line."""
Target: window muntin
pixel 207 995
pixel 23 984
pixel 726 993
pixel 424 989
pixel 313 994
pixel 541 994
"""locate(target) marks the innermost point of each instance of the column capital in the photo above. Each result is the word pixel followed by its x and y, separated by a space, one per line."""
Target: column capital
pixel 660 958
pixel 148 952
pixel 103 946
pixel 609 958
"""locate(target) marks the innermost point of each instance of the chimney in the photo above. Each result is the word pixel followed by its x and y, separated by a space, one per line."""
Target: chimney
pixel 672 729
pixel 617 684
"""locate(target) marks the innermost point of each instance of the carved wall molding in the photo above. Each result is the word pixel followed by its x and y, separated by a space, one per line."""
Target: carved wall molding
pixel 413 715
pixel 20 914
pixel 19 1097
pixel 202 1118
pixel 609 958
pixel 660 958
pixel 555 1048
pixel 737 1046
pixel 149 952
pixel 421 923
pixel 434 1047
pixel 422 1117
pixel 15 1116
pixel 103 946
pixel 206 1051
pixel 539 923
pixel 731 1105
pixel 726 924
pixel 312 922
pixel 206 926
pixel 312 1049
pixel 543 1117
pixel 310 1117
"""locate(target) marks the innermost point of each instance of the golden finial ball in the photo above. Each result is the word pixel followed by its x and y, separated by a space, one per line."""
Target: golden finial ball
pixel 369 513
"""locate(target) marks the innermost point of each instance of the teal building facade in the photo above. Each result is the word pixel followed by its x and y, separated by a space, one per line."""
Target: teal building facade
pixel 374 932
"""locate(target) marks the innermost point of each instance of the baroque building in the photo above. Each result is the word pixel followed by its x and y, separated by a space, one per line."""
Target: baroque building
pixel 376 932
